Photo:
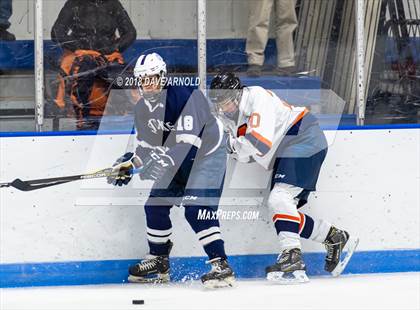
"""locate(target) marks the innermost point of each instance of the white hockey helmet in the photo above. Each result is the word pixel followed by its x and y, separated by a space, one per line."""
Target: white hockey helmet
pixel 149 65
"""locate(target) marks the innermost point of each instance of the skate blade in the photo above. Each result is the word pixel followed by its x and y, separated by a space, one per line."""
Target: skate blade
pixel 161 278
pixel 296 277
pixel 348 251
pixel 212 284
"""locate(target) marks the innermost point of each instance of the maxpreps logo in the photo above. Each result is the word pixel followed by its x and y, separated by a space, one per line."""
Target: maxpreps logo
pixel 228 215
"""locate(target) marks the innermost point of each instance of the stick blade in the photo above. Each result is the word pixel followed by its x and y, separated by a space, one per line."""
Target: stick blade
pixel 20 185
pixel 27 186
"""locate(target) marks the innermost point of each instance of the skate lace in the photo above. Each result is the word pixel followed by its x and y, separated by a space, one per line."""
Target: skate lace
pixel 147 264
pixel 215 266
pixel 282 257
pixel 330 249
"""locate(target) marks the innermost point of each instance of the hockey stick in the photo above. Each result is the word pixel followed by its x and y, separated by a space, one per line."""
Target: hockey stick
pixel 31 185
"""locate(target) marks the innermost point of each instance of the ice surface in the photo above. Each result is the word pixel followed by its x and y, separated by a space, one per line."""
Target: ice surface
pixel 375 291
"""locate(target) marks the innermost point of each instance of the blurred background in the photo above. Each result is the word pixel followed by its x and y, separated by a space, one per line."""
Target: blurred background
pixel 305 50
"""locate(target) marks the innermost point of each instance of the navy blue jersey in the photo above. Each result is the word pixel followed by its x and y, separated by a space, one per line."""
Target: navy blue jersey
pixel 180 121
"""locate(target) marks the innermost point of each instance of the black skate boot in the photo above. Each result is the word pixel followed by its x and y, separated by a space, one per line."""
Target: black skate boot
pixel 152 269
pixel 289 268
pixel 220 275
pixel 336 242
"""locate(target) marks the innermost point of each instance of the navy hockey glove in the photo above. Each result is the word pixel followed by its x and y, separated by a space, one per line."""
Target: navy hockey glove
pixel 156 164
pixel 123 168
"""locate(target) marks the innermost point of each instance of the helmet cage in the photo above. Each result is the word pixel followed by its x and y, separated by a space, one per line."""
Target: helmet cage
pixel 223 97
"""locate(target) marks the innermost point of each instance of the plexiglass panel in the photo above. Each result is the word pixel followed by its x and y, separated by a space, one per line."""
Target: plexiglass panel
pixel 17 90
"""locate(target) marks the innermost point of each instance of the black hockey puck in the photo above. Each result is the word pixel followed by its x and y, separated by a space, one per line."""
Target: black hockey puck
pixel 138 302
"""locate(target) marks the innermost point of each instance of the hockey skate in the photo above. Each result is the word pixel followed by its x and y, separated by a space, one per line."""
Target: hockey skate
pixel 289 268
pixel 152 269
pixel 338 243
pixel 220 275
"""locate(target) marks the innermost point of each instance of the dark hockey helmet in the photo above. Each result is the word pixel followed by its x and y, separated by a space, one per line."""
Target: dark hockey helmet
pixel 225 87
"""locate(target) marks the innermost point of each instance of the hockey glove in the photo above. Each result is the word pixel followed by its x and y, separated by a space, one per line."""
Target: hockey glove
pixel 123 168
pixel 231 149
pixel 230 144
pixel 156 164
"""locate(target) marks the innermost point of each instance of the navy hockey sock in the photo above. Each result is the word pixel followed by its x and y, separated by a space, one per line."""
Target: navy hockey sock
pixel 215 249
pixel 207 230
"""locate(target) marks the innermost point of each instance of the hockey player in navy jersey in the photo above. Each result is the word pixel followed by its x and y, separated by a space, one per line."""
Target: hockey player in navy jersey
pixel 181 147
pixel 267 130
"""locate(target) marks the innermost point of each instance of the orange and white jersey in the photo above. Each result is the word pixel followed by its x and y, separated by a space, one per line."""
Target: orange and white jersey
pixel 263 121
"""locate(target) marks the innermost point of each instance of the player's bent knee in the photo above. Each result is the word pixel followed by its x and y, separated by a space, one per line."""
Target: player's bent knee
pixel 191 213
pixel 200 217
pixel 156 211
pixel 194 213
pixel 279 195
pixel 282 196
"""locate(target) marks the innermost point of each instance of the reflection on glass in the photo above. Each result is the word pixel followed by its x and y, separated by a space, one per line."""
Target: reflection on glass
pixel 92 35
pixel 306 52
pixel 16 66
pixel 394 94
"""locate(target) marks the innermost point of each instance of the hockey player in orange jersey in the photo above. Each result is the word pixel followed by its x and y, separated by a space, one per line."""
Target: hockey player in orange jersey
pixel 287 139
